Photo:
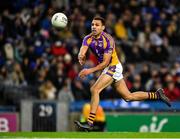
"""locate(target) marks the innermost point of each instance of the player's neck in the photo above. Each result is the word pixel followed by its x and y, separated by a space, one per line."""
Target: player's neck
pixel 98 35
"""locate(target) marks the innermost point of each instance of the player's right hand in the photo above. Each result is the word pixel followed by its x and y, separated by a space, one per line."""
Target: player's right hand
pixel 82 60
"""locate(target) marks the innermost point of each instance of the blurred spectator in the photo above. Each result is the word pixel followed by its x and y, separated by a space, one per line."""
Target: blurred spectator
pixel 145 74
pixel 171 91
pixel 136 83
pixel 57 74
pixel 120 30
pixel 155 79
pixel 47 91
pixel 5 77
pixel 58 49
pixel 18 75
pixel 40 77
pixel 155 37
pixel 9 51
pixel 177 80
pixel 65 94
pixel 79 90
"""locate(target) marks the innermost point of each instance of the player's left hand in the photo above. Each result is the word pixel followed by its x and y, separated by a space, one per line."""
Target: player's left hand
pixel 84 73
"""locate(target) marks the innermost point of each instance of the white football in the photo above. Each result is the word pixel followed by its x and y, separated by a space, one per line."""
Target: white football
pixel 59 20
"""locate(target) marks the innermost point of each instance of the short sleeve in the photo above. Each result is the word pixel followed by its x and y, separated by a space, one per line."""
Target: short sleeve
pixel 86 40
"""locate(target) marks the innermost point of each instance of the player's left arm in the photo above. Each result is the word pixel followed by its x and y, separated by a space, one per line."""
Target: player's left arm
pixel 101 66
pixel 105 63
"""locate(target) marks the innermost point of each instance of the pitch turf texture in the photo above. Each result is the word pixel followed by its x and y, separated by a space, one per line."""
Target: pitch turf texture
pixel 92 135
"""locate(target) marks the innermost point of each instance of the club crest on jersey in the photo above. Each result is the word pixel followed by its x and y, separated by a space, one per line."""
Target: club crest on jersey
pixel 95 42
pixel 100 44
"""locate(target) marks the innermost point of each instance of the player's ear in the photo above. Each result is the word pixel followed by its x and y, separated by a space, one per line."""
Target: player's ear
pixel 103 27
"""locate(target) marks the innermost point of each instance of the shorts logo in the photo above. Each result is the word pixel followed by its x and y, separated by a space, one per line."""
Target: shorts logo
pixel 114 71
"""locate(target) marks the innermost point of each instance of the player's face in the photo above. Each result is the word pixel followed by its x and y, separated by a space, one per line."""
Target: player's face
pixel 97 27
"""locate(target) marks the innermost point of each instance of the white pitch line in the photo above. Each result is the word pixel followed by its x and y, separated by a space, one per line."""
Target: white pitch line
pixel 79 138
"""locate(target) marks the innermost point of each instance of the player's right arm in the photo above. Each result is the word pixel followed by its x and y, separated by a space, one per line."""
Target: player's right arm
pixel 83 49
pixel 82 54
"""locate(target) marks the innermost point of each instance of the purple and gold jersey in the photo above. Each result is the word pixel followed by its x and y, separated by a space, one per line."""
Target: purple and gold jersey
pixel 104 44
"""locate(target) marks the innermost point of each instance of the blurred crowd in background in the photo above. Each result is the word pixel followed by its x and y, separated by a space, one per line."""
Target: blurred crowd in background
pixel 38 58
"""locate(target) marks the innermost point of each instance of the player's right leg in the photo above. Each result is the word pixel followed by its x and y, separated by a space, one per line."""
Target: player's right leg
pixel 103 81
pixel 140 95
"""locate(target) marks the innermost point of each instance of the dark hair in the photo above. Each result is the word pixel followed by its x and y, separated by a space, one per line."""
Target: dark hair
pixel 101 19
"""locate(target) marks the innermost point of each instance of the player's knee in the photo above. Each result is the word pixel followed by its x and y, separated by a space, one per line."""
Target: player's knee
pixel 128 97
pixel 94 90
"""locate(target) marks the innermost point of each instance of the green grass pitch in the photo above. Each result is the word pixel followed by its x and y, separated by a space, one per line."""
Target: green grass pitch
pixel 94 135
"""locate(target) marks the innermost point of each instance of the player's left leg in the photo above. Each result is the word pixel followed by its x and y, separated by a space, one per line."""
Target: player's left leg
pixel 103 81
pixel 140 95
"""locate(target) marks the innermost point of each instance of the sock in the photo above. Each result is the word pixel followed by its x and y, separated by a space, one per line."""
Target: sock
pixel 153 95
pixel 91 118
